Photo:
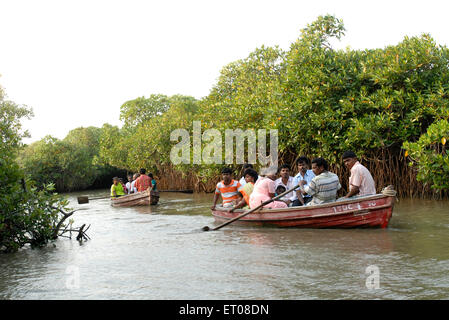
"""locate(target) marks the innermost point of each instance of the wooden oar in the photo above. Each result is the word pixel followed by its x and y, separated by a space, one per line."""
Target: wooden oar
pixel 85 199
pixel 206 228
pixel 182 191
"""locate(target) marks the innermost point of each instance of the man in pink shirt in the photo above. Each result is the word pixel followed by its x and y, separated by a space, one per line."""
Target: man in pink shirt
pixel 361 183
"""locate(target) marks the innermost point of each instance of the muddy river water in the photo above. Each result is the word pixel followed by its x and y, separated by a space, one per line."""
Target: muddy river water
pixel 160 252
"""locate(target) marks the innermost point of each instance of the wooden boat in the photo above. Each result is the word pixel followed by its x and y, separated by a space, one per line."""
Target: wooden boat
pixel 144 198
pixel 365 212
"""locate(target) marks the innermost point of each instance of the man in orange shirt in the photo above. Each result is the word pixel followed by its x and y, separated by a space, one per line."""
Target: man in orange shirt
pixel 228 189
pixel 143 182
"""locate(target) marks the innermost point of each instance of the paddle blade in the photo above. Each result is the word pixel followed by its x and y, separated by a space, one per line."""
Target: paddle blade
pixel 83 199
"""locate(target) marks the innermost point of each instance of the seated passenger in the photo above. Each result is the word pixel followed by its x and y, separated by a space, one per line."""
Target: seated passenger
pixel 250 179
pixel 153 182
pixel 133 183
pixel 304 173
pixel 242 180
pixel 361 182
pixel 228 189
pixel 324 186
pixel 264 189
pixel 128 184
pixel 280 189
pixel 116 188
pixel 289 182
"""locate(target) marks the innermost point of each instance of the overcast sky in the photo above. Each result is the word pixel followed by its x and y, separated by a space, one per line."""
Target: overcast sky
pixel 76 62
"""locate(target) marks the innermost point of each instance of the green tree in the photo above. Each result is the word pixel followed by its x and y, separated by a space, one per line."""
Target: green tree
pixel 138 111
pixel 71 164
pixel 27 215
pixel 429 155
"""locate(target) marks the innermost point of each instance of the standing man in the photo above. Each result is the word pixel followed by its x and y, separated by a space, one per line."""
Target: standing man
pixel 288 182
pixel 324 186
pixel 361 182
pixel 143 182
pixel 304 174
pixel 228 189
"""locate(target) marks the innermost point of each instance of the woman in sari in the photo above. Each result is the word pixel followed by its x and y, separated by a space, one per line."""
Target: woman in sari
pixel 264 189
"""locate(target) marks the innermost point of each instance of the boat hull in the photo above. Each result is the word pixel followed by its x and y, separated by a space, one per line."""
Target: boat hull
pixel 144 198
pixel 367 212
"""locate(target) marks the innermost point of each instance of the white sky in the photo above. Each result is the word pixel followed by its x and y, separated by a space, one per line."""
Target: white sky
pixel 76 62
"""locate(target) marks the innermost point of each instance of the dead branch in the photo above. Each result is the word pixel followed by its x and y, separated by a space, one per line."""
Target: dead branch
pixel 81 233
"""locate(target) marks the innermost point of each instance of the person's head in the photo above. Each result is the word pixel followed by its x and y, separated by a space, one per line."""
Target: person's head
pixel 143 171
pixel 269 172
pixel 120 180
pixel 303 164
pixel 250 175
pixel 284 171
pixel 130 177
pixel 247 166
pixel 349 159
pixel 151 175
pixel 226 174
pixel 115 180
pixel 280 189
pixel 135 176
pixel 319 165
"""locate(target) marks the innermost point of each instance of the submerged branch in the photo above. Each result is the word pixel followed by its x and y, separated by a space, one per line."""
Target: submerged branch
pixel 81 232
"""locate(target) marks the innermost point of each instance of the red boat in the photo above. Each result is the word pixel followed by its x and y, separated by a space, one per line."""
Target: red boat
pixel 365 212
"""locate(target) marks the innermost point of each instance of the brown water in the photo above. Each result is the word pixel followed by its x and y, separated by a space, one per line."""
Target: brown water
pixel 160 252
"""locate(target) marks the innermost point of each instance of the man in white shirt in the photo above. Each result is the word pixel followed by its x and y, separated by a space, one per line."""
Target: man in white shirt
pixel 133 184
pixel 361 182
pixel 304 173
pixel 289 182
pixel 128 184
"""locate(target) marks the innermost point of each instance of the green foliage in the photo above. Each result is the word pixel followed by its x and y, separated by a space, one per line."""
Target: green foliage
pixel 362 100
pixel 71 163
pixel 323 101
pixel 27 215
pixel 146 144
pixel 138 111
pixel 247 94
pixel 429 155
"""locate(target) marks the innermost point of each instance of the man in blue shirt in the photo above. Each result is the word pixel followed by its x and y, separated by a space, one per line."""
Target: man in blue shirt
pixel 304 173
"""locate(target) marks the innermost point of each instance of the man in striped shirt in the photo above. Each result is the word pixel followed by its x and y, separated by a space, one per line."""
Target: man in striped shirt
pixel 324 186
pixel 228 189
